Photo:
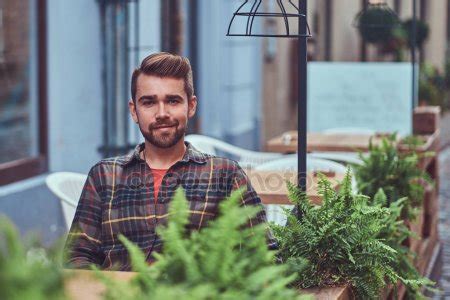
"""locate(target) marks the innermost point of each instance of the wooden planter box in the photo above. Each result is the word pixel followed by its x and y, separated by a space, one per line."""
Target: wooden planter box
pixel 416 227
pixel 84 285
pixel 426 119
pixel 431 212
pixel 329 293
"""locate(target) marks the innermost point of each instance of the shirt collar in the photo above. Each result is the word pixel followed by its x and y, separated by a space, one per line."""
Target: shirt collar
pixel 191 154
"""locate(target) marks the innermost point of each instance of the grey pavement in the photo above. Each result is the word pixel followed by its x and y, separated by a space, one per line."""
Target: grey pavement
pixel 444 207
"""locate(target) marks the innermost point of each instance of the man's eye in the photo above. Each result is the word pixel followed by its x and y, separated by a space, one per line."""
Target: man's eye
pixel 147 103
pixel 173 101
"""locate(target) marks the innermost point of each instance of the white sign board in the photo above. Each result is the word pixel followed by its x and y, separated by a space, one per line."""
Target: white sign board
pixel 375 96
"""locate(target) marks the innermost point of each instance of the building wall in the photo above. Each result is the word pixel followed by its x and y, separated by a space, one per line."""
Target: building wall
pixel 345 41
pixel 229 77
pixel 74 108
pixel 75 82
pixel 344 44
pixel 436 45
pixel 74 85
pixel 279 106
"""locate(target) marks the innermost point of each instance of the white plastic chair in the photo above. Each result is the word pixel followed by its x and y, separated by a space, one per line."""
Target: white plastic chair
pixel 67 186
pixel 349 130
pixel 275 212
pixel 340 157
pixel 246 158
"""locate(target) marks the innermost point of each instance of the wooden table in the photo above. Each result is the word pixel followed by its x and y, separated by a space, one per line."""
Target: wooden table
pixel 323 142
pixel 271 185
pixel 84 285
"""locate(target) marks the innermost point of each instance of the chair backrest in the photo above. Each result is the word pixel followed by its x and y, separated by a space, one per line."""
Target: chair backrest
pixel 289 163
pixel 349 130
pixel 340 157
pixel 274 212
pixel 203 143
pixel 67 186
pixel 247 158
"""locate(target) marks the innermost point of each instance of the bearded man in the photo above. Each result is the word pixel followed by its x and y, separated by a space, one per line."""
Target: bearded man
pixel 130 194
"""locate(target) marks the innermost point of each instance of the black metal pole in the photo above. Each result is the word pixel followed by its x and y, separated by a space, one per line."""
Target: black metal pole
pixel 413 56
pixel 363 49
pixel 105 94
pixel 125 72
pixel 302 96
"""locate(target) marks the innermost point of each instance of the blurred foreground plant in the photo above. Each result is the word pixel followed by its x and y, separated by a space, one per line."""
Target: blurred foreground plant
pixel 27 272
pixel 223 261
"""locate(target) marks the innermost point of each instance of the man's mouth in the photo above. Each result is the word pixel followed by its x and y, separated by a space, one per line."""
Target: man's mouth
pixel 163 126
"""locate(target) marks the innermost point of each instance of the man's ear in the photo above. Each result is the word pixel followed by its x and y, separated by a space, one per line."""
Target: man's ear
pixel 132 108
pixel 192 106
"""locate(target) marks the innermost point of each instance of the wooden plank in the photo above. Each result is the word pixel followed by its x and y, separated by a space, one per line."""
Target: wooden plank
pixel 431 143
pixel 426 119
pixel 287 142
pixel 425 254
pixel 416 227
pixel 272 189
pixel 340 142
pixel 399 293
pixel 84 285
pixel 329 293
pixel 431 207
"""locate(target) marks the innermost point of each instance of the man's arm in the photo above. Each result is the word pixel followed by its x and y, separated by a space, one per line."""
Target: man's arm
pixel 83 245
pixel 249 197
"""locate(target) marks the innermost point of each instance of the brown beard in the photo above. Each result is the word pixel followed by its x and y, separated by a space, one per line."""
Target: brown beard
pixel 165 140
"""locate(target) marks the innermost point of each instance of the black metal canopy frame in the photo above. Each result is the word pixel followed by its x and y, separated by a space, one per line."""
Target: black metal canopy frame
pixel 302 35
pixel 255 12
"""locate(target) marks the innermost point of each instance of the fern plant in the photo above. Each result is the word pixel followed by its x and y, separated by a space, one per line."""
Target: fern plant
pixel 27 272
pixel 393 234
pixel 340 240
pixel 223 261
pixel 394 172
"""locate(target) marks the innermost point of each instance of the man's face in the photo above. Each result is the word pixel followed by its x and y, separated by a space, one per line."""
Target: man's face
pixel 162 109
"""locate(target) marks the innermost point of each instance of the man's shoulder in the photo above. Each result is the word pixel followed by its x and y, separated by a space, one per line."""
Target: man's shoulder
pixel 116 161
pixel 217 161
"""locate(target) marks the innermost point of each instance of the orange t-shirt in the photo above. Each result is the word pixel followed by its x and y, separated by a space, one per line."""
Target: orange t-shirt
pixel 158 175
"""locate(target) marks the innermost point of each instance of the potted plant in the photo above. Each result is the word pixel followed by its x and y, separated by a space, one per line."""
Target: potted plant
pixel 422 32
pixel 376 23
pixel 396 173
pixel 432 86
pixel 341 241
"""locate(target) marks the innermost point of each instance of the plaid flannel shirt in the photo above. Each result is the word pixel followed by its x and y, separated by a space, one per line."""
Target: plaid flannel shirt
pixel 118 198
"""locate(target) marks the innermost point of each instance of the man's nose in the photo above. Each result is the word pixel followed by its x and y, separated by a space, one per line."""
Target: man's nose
pixel 162 111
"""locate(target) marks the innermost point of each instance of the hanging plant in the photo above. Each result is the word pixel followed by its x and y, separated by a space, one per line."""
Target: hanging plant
pixel 422 31
pixel 376 23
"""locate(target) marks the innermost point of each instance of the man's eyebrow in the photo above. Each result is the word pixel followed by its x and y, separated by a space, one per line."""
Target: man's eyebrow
pixel 147 97
pixel 174 96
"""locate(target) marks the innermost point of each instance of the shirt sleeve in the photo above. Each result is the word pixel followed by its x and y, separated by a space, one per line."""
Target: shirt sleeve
pixel 249 197
pixel 83 245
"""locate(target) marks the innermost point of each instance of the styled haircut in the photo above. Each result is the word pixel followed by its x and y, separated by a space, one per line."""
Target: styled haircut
pixel 165 64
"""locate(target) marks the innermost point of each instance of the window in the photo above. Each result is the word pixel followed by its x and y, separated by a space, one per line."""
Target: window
pixel 23 132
